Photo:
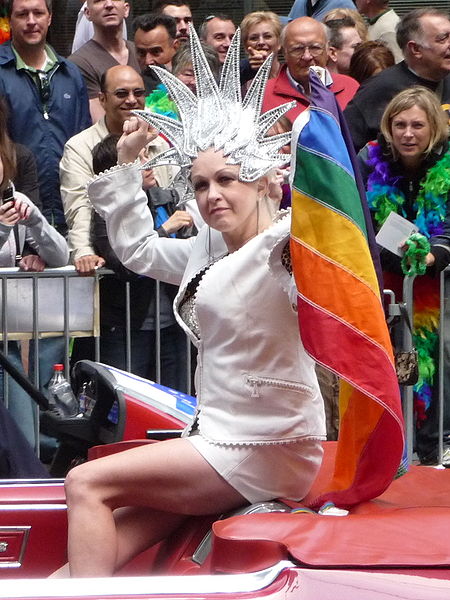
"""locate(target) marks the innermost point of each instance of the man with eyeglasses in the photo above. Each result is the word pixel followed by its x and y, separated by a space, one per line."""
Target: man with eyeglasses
pixel 217 31
pixel 156 44
pixel 180 11
pixel 106 49
pixel 122 90
pixel 305 45
pixel 424 37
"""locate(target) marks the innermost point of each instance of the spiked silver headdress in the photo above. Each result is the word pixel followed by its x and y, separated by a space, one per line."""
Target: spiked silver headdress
pixel 217 117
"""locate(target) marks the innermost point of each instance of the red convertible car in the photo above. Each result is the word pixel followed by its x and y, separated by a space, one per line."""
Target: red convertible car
pixel 395 546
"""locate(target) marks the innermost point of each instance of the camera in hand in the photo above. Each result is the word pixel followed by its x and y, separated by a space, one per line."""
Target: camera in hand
pixel 7 194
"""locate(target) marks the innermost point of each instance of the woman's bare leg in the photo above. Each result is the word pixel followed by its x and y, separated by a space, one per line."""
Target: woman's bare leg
pixel 137 529
pixel 140 528
pixel 170 477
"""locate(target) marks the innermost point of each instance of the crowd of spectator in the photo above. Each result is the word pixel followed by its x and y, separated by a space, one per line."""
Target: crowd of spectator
pixel 64 116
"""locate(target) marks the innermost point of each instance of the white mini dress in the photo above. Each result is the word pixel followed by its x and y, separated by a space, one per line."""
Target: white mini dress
pixel 259 472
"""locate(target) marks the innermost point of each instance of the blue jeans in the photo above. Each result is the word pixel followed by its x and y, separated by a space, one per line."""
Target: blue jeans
pixel 20 405
pixel 143 353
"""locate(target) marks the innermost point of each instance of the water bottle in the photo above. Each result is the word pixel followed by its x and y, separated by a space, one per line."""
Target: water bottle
pixel 62 399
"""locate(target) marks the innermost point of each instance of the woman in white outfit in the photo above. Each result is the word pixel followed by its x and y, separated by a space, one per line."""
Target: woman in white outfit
pixel 257 430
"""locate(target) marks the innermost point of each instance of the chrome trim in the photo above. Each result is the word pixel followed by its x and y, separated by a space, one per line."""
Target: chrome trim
pixel 19 483
pixel 10 565
pixel 181 585
pixel 204 548
pixel 4 529
pixel 33 506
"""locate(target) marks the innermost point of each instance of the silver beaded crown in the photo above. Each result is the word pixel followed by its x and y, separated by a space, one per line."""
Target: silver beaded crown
pixel 218 117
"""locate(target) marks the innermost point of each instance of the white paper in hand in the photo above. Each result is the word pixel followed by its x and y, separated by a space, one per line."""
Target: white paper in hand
pixel 394 231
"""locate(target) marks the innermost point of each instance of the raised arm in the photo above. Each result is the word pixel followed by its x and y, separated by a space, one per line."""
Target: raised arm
pixel 118 197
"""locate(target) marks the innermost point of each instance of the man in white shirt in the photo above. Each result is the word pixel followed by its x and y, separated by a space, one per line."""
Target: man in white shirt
pixel 122 91
pixel 382 24
pixel 84 30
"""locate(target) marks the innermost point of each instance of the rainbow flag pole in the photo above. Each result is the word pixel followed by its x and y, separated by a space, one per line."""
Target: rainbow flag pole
pixel 341 317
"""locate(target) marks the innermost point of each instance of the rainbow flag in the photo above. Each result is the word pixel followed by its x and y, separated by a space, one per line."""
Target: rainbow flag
pixel 341 317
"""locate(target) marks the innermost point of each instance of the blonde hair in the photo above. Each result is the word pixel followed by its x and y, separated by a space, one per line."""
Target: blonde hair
pixel 255 18
pixel 354 15
pixel 426 100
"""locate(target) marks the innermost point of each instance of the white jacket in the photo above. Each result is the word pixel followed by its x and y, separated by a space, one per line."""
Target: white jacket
pixel 384 30
pixel 40 235
pixel 255 383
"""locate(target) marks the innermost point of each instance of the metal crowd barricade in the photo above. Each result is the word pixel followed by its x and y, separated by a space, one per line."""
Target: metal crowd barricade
pixel 59 302
pixel 444 352
pixel 67 305
pixel 407 390
pixel 394 311
pixel 408 344
pixel 105 272
pixel 49 304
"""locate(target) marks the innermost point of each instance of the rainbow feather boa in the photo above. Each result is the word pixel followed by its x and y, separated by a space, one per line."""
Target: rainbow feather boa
pixel 160 102
pixel 384 196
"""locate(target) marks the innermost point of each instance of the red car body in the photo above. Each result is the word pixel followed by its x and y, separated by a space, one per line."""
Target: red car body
pixel 393 547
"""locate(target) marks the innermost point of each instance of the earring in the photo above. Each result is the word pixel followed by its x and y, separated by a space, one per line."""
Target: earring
pixel 257 215
pixel 209 248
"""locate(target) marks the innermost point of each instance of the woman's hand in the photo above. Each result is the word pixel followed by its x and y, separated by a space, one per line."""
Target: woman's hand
pixel 175 222
pixel 416 255
pixel 136 135
pixel 429 259
pixel 256 57
pixel 275 193
pixel 14 211
pixel 32 262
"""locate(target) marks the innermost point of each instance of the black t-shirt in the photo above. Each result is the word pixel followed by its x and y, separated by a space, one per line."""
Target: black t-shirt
pixel 364 112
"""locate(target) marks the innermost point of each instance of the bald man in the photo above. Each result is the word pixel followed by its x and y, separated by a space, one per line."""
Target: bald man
pixel 122 90
pixel 305 45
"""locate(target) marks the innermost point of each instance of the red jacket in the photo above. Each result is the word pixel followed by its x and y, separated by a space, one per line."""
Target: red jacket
pixel 280 90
